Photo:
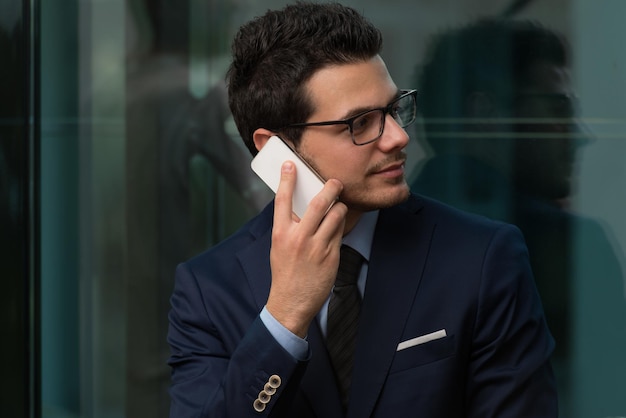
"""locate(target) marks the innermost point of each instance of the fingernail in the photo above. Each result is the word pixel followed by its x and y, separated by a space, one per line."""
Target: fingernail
pixel 287 167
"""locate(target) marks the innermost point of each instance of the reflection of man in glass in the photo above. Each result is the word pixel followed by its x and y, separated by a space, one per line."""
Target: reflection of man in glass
pixel 500 80
pixel 182 190
pixel 498 109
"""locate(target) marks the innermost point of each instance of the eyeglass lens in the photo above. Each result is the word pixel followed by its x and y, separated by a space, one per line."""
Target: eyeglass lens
pixel 369 126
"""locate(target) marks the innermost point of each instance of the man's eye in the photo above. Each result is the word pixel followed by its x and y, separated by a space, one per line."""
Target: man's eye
pixel 363 123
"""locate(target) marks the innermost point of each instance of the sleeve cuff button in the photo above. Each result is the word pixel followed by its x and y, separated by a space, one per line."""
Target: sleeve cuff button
pixel 274 381
pixel 259 406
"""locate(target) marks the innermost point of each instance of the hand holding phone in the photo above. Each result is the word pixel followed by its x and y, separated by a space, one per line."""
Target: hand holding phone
pixel 267 165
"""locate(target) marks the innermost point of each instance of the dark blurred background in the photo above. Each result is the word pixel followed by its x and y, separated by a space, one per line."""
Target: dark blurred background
pixel 119 159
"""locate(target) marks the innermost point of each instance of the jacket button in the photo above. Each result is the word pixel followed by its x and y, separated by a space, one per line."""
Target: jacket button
pixel 264 396
pixel 258 405
pixel 269 389
pixel 274 381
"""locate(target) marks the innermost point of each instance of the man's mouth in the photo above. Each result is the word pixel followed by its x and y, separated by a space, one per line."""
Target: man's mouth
pixel 390 167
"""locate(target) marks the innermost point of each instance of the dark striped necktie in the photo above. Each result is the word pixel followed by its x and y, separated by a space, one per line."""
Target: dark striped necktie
pixel 343 318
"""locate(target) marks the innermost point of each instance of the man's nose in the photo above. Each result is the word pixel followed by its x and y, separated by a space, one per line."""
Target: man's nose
pixel 394 136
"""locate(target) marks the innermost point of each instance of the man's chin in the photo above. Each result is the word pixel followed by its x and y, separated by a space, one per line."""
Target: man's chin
pixel 385 200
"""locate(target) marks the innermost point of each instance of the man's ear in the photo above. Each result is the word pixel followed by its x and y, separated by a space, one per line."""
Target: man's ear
pixel 260 137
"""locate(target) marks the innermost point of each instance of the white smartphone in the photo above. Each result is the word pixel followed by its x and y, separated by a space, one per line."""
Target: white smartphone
pixel 267 165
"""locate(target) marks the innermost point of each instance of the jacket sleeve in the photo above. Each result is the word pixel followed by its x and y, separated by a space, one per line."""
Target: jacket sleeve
pixel 256 378
pixel 509 369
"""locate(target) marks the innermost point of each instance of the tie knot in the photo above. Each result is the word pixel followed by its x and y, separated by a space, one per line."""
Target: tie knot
pixel 349 266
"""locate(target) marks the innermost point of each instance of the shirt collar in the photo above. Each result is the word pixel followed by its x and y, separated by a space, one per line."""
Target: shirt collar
pixel 362 235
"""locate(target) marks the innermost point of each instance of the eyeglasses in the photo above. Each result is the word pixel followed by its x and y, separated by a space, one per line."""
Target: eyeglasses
pixel 368 126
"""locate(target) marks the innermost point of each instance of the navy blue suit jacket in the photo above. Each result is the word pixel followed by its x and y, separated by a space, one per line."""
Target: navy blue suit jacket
pixel 431 268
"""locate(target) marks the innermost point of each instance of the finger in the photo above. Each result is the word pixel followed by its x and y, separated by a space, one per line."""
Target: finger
pixel 332 226
pixel 284 193
pixel 320 204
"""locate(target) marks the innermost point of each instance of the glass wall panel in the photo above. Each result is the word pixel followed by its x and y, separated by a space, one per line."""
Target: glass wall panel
pixel 18 203
pixel 142 167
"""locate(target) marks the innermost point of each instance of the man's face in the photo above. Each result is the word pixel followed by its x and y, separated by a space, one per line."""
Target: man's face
pixel 545 152
pixel 372 174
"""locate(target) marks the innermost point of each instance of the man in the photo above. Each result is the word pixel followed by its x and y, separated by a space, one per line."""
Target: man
pixel 505 138
pixel 450 324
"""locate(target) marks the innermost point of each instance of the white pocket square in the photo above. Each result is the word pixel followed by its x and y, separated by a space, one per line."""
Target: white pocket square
pixel 421 339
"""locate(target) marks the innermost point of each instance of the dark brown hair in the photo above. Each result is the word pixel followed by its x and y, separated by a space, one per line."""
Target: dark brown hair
pixel 275 54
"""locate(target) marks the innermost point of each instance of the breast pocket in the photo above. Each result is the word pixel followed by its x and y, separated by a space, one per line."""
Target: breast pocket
pixel 422 354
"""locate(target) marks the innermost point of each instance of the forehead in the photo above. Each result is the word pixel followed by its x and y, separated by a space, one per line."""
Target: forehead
pixel 337 90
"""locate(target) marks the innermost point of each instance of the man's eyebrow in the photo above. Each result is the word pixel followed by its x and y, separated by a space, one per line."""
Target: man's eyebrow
pixel 363 109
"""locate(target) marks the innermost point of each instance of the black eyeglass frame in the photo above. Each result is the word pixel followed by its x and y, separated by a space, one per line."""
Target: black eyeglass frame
pixel 387 110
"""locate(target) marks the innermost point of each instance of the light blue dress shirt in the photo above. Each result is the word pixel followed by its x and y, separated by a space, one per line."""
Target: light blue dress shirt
pixel 360 239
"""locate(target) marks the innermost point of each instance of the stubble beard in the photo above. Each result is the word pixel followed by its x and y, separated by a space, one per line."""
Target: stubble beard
pixel 364 200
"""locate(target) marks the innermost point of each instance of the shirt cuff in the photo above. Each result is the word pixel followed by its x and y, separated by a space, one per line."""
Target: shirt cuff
pixel 293 344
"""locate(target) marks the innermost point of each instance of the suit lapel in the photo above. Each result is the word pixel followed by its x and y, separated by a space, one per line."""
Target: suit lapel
pixel 254 258
pixel 399 252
